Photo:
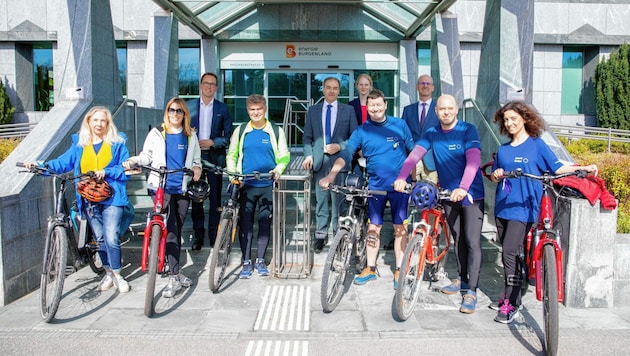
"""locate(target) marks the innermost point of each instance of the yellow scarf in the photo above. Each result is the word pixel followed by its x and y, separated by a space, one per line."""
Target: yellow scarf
pixel 90 161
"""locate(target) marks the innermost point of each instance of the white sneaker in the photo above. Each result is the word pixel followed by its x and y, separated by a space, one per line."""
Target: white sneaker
pixel 172 287
pixel 121 284
pixel 185 281
pixel 106 283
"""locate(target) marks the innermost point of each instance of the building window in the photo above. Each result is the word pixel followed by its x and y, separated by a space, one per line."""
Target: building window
pixel 189 69
pixel 121 54
pixel 43 77
pixel 572 83
pixel 424 57
pixel 238 84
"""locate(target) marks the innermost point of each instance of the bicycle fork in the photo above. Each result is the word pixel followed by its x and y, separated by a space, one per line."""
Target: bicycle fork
pixel 537 260
pixel 147 242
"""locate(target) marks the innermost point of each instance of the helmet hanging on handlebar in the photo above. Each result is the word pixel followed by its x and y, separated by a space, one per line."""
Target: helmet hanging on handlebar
pixel 425 195
pixel 198 191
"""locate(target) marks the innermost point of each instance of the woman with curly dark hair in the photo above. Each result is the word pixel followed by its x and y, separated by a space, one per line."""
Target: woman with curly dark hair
pixel 516 210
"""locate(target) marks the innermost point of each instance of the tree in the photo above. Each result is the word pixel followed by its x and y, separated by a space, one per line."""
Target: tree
pixel 612 89
pixel 6 108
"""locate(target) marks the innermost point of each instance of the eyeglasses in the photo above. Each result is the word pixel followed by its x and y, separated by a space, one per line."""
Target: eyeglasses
pixel 175 111
pixel 425 83
pixel 209 84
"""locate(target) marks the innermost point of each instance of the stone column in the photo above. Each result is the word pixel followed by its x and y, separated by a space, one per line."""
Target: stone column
pixel 161 81
pixel 408 64
pixel 446 63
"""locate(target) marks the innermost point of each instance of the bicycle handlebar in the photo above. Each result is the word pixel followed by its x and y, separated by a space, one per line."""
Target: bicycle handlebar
pixel 546 177
pixel 162 170
pixel 242 176
pixel 354 191
pixel 45 171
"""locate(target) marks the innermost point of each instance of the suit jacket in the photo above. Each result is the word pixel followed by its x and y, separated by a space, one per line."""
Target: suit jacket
pixel 220 132
pixel 356 104
pixel 313 137
pixel 412 118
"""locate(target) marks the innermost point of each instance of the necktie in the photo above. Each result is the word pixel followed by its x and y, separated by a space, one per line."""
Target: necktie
pixel 423 115
pixel 328 128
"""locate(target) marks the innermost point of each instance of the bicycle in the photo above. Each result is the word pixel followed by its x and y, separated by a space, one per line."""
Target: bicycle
pixel 350 241
pixel 65 232
pixel 155 231
pixel 542 257
pixel 228 223
pixel 429 245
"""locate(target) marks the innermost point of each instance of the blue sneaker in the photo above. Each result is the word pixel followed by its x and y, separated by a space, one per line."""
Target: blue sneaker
pixel 261 267
pixel 246 272
pixel 469 303
pixel 456 286
pixel 365 276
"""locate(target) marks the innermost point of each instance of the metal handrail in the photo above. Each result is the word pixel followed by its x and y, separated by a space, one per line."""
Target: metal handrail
pixel 485 121
pixel 16 130
pixel 116 112
pixel 593 133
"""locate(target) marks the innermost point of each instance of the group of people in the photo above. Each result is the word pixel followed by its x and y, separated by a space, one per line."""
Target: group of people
pixel 190 131
pixel 428 143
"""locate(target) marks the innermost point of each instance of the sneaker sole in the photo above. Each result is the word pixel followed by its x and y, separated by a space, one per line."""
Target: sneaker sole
pixel 466 311
pixel 507 321
pixel 364 281
pixel 495 307
pixel 245 277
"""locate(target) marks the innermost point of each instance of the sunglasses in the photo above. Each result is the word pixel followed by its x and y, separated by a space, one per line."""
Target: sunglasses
pixel 175 111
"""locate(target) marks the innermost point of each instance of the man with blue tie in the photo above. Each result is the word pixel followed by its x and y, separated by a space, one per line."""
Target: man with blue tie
pixel 419 117
pixel 326 131
pixel 213 123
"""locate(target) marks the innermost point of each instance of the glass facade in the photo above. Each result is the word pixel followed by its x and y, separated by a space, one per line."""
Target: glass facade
pixel 43 80
pixel 189 70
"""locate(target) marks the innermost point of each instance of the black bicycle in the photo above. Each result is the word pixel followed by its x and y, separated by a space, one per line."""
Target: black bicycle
pixel 66 232
pixel 349 241
pixel 228 223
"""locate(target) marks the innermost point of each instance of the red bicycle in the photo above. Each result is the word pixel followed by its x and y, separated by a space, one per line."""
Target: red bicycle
pixel 154 242
pixel 542 258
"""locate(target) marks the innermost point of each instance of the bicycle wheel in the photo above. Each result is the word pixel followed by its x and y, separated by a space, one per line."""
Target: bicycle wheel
pixel 53 272
pixel 220 257
pixel 550 299
pixel 149 306
pixel 92 255
pixel 411 277
pixel 360 247
pixel 521 267
pixel 334 277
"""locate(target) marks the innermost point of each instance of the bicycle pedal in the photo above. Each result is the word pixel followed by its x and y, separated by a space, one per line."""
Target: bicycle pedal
pixel 70 270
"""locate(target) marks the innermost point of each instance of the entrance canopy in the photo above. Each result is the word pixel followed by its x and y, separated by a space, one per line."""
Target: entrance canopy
pixel 208 18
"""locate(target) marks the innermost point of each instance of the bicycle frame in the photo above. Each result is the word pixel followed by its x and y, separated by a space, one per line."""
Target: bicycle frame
pixel 540 235
pixel 431 231
pixel 155 217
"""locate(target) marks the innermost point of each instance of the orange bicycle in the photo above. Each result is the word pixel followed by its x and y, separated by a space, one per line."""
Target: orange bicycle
pixel 428 246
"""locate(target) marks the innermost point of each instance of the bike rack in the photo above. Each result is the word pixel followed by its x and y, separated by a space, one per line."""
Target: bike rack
pixel 292 256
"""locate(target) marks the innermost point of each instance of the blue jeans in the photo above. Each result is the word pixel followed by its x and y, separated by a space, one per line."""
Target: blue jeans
pixel 105 222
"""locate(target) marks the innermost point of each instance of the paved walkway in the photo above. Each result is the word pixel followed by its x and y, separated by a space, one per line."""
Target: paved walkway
pixel 273 316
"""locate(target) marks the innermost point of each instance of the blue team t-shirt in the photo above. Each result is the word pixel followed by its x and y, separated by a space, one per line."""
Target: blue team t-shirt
pixel 176 149
pixel 522 203
pixel 385 146
pixel 449 153
pixel 258 156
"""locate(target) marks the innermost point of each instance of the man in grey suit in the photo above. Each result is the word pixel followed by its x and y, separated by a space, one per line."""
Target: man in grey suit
pixel 419 122
pixel 213 123
pixel 322 148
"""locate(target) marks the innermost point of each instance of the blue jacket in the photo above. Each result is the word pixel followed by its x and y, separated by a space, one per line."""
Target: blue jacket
pixel 412 118
pixel 220 132
pixel 114 172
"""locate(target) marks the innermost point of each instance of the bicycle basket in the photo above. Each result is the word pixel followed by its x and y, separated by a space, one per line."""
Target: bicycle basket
pixel 425 195
pixel 94 190
pixel 354 180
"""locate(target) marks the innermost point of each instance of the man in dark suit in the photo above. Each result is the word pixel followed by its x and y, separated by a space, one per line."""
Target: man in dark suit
pixel 213 123
pixel 322 148
pixel 419 122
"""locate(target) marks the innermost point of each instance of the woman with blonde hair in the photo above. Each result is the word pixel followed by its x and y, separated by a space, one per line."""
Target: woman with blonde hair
pixel 100 148
pixel 173 145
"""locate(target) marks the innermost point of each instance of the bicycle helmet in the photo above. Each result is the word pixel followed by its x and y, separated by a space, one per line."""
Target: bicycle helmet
pixel 198 191
pixel 354 180
pixel 94 190
pixel 425 195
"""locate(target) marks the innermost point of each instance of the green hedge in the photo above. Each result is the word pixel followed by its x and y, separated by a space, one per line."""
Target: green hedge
pixel 7 145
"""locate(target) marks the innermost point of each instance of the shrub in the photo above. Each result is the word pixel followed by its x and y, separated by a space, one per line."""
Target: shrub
pixel 7 145
pixel 612 89
pixel 6 109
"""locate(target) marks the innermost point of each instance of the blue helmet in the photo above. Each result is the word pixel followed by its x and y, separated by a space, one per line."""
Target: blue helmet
pixel 354 180
pixel 425 195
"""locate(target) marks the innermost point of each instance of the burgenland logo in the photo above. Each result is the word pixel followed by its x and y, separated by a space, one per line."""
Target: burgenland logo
pixel 290 51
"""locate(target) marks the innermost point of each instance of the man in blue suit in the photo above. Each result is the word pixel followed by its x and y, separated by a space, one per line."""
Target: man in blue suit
pixel 419 122
pixel 213 123
pixel 322 147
